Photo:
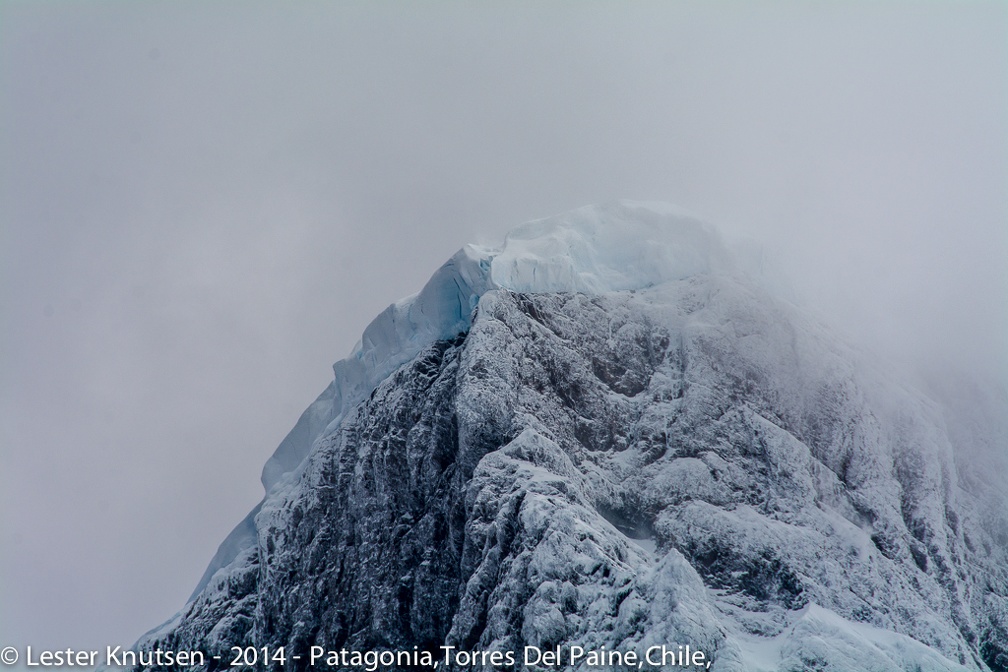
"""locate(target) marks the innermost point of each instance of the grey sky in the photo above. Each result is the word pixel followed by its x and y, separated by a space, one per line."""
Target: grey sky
pixel 202 205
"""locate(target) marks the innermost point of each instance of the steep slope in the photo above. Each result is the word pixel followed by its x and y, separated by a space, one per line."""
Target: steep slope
pixel 608 433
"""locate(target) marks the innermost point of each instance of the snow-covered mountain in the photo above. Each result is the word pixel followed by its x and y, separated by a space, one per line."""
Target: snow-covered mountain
pixel 612 431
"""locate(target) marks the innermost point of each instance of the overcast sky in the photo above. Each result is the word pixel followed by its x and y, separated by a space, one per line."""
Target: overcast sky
pixel 203 204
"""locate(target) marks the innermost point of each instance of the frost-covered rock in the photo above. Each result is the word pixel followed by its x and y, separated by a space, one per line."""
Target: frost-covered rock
pixel 610 432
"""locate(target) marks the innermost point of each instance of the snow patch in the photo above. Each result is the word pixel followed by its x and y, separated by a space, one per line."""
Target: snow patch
pixel 822 639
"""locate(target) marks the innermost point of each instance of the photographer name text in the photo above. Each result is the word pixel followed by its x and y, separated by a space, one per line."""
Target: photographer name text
pixel 448 657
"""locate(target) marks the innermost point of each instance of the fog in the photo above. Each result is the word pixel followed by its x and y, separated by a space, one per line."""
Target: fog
pixel 202 206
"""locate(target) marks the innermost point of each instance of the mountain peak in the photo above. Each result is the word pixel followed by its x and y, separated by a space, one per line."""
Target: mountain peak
pixel 623 245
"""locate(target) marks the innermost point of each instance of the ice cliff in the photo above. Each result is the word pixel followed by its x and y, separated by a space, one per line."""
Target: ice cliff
pixel 609 431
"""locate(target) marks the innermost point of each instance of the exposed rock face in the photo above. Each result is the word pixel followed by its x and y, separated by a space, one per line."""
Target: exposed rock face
pixel 693 462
